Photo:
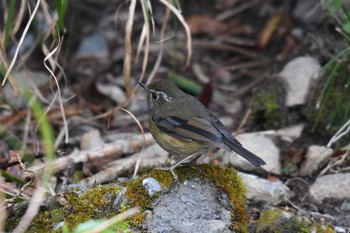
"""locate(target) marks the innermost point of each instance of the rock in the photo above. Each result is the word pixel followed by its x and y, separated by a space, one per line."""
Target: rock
pixel 298 75
pixel 276 220
pixel 335 186
pixel 25 80
pixel 263 190
pixel 260 145
pixel 340 229
pixel 94 45
pixel 316 157
pixel 310 11
pixel 91 139
pixel 114 92
pixel 290 133
pixel 57 226
pixel 151 185
pixel 190 207
pixel 345 206
pixel 121 200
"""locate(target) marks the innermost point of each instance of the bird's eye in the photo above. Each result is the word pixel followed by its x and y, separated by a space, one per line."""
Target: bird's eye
pixel 155 96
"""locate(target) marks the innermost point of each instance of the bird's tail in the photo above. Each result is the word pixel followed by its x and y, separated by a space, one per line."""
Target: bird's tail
pixel 237 147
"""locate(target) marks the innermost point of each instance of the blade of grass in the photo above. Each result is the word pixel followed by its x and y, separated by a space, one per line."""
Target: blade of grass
pixel 61 6
pixel 46 133
pixel 9 21
pixel 12 178
pixel 325 93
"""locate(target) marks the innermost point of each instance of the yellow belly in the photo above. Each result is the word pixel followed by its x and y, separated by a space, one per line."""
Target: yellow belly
pixel 174 145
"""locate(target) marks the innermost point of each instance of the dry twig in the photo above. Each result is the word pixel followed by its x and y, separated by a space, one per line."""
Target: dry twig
pixel 114 149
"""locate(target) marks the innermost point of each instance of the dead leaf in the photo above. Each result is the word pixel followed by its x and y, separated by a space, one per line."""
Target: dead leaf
pixel 69 110
pixel 206 25
pixel 269 29
pixel 272 178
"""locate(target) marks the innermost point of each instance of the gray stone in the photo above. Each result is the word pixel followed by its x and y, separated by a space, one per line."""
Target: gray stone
pixel 264 190
pixel 94 45
pixel 276 220
pixel 188 208
pixel 151 185
pixel 316 157
pixel 298 75
pixel 259 144
pixel 91 139
pixel 345 206
pixel 339 229
pixel 114 92
pixel 120 200
pixel 290 133
pixel 335 186
pixel 310 11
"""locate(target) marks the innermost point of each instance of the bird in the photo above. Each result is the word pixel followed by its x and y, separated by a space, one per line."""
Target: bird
pixel 184 127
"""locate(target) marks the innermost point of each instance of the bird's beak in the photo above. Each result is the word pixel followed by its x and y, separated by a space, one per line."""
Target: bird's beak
pixel 143 85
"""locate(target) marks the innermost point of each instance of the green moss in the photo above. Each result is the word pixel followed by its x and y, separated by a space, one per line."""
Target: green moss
pixel 321 228
pixel 137 195
pixel 230 183
pixel 279 221
pixel 225 179
pixel 96 203
pixel 268 109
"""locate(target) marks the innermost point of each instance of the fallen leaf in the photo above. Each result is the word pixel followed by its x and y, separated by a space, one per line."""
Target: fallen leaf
pixel 272 178
pixel 206 25
pixel 269 29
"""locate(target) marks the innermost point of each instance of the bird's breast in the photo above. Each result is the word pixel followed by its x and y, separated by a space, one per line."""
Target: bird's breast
pixel 172 144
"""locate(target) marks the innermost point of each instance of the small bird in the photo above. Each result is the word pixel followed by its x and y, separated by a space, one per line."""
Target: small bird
pixel 184 127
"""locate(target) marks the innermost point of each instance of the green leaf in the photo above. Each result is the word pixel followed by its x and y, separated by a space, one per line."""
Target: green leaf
pixel 9 21
pixel 338 4
pixel 346 27
pixel 61 6
pixel 185 83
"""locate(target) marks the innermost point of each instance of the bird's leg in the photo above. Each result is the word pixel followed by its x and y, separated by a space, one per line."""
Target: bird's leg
pixel 188 160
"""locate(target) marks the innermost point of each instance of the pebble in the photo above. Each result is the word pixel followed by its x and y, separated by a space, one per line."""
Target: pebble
pixel 310 11
pixel 335 186
pixel 316 157
pixel 91 139
pixel 298 74
pixel 151 185
pixel 120 200
pixel 93 45
pixel 261 189
pixel 259 144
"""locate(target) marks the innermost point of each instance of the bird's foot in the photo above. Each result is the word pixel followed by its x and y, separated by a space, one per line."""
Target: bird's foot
pixel 171 170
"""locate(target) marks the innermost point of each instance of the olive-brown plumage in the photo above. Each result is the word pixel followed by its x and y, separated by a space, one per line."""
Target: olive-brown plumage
pixel 183 126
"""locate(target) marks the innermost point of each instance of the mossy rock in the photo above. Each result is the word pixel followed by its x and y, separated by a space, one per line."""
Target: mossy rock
pixel 279 221
pixel 268 110
pixel 76 207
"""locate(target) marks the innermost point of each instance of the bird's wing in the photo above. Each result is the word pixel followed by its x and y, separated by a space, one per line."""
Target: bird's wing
pixel 194 129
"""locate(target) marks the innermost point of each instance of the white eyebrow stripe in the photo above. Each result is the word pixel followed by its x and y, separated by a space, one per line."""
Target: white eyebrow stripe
pixel 164 96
